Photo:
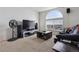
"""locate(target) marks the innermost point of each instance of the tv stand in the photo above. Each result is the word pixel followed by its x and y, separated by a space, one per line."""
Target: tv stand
pixel 27 33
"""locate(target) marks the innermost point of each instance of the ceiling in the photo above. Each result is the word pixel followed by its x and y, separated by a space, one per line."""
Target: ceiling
pixel 39 9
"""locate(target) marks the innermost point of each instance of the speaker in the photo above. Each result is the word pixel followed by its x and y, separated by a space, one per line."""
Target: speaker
pixel 19 31
pixel 36 25
pixel 68 10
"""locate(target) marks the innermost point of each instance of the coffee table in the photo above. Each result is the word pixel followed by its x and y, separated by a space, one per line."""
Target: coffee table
pixel 44 34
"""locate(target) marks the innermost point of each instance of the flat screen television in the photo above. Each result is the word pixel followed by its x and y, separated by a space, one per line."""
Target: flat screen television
pixel 28 25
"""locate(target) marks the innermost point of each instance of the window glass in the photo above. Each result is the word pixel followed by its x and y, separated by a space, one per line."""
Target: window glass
pixel 54 19
pixel 54 14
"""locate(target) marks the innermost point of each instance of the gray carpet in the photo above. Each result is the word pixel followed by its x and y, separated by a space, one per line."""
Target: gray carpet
pixel 27 44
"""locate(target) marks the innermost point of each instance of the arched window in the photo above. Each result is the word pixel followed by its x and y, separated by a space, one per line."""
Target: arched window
pixel 54 18
pixel 54 14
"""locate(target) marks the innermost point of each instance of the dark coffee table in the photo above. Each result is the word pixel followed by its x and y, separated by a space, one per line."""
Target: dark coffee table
pixel 44 34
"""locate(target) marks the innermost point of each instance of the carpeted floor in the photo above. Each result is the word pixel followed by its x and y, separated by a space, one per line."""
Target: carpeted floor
pixel 27 44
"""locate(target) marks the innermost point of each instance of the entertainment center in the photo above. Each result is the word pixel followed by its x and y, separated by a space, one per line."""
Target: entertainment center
pixel 23 29
pixel 28 28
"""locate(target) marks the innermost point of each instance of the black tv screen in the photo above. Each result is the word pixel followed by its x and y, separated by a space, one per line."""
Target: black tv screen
pixel 28 24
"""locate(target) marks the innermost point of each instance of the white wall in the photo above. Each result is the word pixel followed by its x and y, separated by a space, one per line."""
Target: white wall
pixel 17 13
pixel 70 20
pixel 73 17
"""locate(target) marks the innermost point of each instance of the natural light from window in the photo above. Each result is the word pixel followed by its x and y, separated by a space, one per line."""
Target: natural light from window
pixel 54 19
pixel 54 14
